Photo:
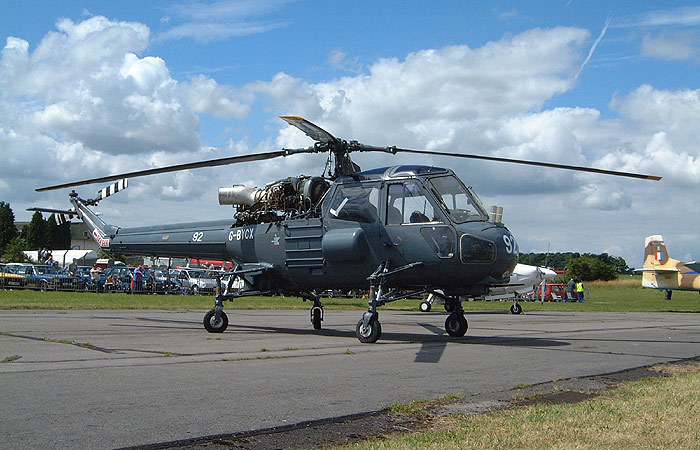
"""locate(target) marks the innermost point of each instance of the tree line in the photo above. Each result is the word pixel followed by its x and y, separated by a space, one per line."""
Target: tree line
pixel 586 266
pixel 37 234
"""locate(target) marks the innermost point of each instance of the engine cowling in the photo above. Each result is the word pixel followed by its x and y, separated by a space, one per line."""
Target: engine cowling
pixel 285 198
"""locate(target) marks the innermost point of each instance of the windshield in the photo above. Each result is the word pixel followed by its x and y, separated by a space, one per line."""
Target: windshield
pixel 460 203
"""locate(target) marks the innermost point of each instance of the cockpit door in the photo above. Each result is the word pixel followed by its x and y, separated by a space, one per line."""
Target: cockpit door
pixel 415 226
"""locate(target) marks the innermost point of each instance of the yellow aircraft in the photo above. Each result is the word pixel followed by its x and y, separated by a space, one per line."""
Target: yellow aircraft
pixel 664 273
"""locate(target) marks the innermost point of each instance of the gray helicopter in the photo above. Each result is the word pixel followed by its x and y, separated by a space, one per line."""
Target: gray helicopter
pixel 398 231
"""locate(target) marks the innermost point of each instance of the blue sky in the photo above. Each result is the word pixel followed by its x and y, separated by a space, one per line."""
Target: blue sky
pixel 89 88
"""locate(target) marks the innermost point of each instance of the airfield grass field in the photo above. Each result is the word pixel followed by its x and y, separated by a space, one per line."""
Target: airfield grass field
pixel 648 413
pixel 625 294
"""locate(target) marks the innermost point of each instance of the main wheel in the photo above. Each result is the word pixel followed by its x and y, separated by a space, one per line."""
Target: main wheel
pixel 456 325
pixel 516 308
pixel 215 326
pixel 369 334
pixel 316 318
pixel 425 306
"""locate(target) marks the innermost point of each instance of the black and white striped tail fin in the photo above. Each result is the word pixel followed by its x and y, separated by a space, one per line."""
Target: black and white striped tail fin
pixel 112 189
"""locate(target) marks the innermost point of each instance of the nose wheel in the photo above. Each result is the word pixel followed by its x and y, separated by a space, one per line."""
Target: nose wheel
pixel 370 332
pixel 214 324
pixel 516 308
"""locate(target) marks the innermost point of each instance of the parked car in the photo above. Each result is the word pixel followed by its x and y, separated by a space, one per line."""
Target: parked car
pixel 11 280
pixel 195 281
pixel 553 292
pixel 166 282
pixel 46 277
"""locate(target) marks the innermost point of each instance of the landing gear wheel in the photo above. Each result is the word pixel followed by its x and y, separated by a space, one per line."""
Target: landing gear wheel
pixel 516 309
pixel 456 325
pixel 316 318
pixel 369 334
pixel 425 306
pixel 214 326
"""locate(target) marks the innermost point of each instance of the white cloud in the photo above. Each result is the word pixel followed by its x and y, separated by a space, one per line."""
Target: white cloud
pixel 672 45
pixel 682 16
pixel 207 22
pixel 205 95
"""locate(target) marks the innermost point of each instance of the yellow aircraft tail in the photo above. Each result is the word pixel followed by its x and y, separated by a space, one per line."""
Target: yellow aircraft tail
pixel 660 271
pixel 663 272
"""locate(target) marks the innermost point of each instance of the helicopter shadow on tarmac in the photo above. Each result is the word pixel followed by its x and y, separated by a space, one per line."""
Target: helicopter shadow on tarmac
pixel 432 345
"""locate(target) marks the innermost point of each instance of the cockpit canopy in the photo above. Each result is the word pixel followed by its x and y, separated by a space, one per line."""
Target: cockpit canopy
pixel 414 194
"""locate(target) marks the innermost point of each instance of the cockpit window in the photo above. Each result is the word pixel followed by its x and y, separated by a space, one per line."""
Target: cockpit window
pixel 460 203
pixel 355 202
pixel 407 203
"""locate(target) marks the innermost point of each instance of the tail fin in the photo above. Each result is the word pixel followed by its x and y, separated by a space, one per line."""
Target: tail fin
pixel 655 253
pixel 100 231
pixel 660 271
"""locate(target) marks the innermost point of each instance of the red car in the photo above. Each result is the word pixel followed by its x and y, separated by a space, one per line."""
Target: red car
pixel 553 292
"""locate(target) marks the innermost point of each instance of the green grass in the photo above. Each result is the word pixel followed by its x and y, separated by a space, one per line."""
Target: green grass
pixel 646 414
pixel 620 295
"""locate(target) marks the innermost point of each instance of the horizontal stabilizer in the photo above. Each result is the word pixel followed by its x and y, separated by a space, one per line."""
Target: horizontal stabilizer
pixel 693 265
pixel 659 271
pixel 61 216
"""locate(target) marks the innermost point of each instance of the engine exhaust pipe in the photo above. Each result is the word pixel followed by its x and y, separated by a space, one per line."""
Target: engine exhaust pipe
pixel 241 195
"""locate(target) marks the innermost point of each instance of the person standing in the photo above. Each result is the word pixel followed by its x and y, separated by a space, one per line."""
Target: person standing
pixel 571 290
pixel 579 290
pixel 138 280
pixel 73 267
pixel 96 276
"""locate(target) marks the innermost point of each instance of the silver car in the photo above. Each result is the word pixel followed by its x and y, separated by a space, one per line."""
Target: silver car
pixel 196 281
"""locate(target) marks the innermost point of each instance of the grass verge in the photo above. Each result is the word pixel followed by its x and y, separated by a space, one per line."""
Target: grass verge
pixel 625 294
pixel 647 413
pixel 621 295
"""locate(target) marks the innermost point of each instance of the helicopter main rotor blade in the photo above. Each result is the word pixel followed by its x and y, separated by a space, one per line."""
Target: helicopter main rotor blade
pixel 310 129
pixel 532 163
pixel 175 168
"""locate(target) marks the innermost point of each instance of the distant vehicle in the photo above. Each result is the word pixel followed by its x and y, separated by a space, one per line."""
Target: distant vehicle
pixel 47 278
pixel 166 282
pixel 665 273
pixel 104 263
pixel 84 274
pixel 11 280
pixel 195 281
pixel 552 293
